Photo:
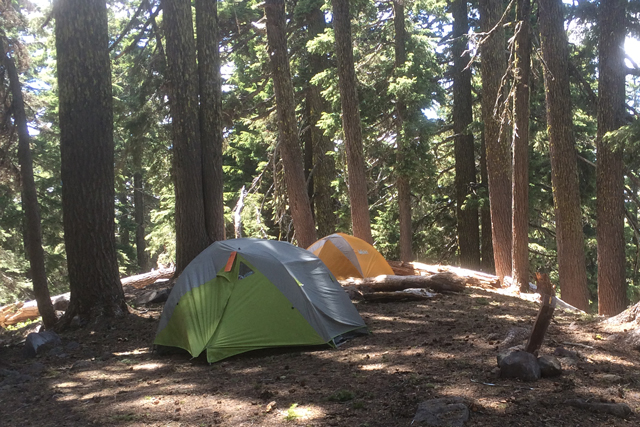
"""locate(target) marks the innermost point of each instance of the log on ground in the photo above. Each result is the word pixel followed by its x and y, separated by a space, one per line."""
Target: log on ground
pixel 441 282
pixel 142 280
pixel 475 278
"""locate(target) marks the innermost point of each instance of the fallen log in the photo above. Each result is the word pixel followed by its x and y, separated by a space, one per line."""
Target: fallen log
pixel 142 280
pixel 475 278
pixel 18 312
pixel 441 282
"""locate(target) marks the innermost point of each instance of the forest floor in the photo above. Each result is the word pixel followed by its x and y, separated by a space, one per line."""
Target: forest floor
pixel 417 351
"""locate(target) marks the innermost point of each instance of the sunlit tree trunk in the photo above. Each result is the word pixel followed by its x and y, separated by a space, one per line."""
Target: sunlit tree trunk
pixel 486 242
pixel 520 193
pixel 210 117
pixel 191 233
pixel 289 140
pixel 465 163
pixel 33 230
pixel 87 148
pixel 351 125
pixel 564 169
pixel 493 66
pixel 612 288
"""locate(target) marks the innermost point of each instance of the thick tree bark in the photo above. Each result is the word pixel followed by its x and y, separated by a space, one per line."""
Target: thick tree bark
pixel 564 169
pixel 520 193
pixel 210 117
pixel 465 163
pixel 324 168
pixel 612 289
pixel 191 233
pixel 493 67
pixel 402 140
pixel 486 243
pixel 289 141
pixel 86 145
pixel 351 124
pixel 33 230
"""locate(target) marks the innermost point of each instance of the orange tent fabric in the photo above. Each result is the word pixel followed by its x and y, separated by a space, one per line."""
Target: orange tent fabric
pixel 347 256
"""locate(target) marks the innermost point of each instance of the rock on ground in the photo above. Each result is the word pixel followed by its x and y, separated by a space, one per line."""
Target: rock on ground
pixel 521 365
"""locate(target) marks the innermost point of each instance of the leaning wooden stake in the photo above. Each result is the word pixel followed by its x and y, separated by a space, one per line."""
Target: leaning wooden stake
pixel 542 323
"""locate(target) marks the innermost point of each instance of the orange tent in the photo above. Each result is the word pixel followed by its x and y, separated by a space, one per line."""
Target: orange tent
pixel 347 256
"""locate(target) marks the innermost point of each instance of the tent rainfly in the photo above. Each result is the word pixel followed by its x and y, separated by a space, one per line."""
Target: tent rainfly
pixel 245 294
pixel 348 256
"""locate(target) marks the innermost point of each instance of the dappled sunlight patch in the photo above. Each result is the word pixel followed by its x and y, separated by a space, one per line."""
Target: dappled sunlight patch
pixel 152 366
pixel 68 384
pixel 136 352
pixel 373 367
pixel 297 412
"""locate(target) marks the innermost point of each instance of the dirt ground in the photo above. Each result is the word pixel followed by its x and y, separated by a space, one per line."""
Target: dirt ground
pixel 416 351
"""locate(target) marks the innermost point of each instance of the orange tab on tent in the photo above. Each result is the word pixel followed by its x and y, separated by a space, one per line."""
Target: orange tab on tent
pixel 229 266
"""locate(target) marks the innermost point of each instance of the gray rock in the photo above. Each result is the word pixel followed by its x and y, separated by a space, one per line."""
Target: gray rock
pixel 505 353
pixel 37 343
pixel 446 411
pixel 549 366
pixel 61 302
pixel 153 297
pixel 521 365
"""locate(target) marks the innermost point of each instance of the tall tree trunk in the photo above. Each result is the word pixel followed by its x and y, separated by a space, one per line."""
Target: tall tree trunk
pixel 141 243
pixel 493 67
pixel 351 122
pixel 86 145
pixel 520 194
pixel 324 165
pixel 32 230
pixel 486 243
pixel 564 168
pixel 612 289
pixel 402 139
pixel 210 117
pixel 290 143
pixel 465 163
pixel 191 233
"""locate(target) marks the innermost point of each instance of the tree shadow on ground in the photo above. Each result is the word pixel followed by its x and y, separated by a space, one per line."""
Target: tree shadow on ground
pixel 416 351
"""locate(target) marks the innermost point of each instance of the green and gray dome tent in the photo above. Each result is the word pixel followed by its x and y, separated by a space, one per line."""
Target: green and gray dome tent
pixel 244 294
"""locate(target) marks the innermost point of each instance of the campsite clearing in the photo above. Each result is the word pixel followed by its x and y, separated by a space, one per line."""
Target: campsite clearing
pixel 417 351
